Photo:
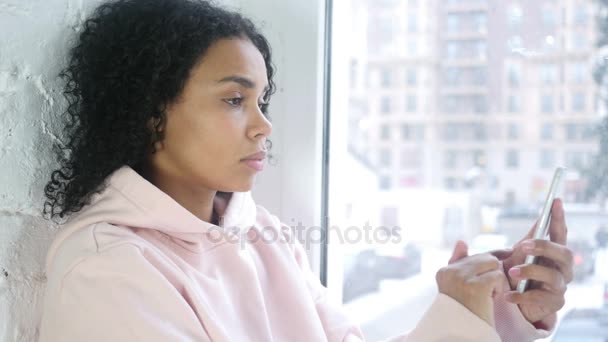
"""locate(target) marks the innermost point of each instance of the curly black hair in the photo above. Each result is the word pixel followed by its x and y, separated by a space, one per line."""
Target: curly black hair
pixel 129 62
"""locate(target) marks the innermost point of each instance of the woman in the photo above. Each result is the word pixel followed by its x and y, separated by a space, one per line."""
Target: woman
pixel 167 125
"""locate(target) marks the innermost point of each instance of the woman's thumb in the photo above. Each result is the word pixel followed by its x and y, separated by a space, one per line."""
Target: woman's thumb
pixel 461 250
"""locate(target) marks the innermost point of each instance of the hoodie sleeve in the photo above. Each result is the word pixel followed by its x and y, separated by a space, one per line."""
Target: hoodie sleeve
pixel 117 295
pixel 445 320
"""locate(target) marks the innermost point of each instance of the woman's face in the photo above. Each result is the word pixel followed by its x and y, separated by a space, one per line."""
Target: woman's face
pixel 217 122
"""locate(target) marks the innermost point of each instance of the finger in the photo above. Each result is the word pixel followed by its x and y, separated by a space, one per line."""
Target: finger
pixel 491 282
pixel 558 232
pixel 482 263
pixel 550 301
pixel 561 255
pixel 461 250
pixel 502 254
pixel 552 279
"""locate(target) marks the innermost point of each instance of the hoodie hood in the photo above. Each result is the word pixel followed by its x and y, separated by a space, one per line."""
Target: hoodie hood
pixel 130 200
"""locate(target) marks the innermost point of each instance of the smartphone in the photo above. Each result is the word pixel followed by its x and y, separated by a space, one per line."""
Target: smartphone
pixel 543 223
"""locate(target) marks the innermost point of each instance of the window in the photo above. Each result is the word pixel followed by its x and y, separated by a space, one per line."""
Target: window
pixel 578 72
pixel 546 132
pixel 514 104
pixel 547 104
pixel 411 103
pixel 512 159
pixel 550 17
pixel 549 73
pixel 481 104
pixel 385 105
pixel 514 17
pixel 453 23
pixel 411 77
pixel 450 159
pixel 385 132
pixel 578 102
pixel 386 78
pixel 412 132
pixel 481 22
pixel 513 132
pixel 513 75
pixel 385 182
pixel 385 157
pixel 547 159
pixel 412 23
pixel 571 131
pixel 574 159
pixel 579 41
pixel 580 15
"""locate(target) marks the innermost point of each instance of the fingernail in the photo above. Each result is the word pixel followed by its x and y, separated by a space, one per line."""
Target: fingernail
pixel 527 246
pixel 515 272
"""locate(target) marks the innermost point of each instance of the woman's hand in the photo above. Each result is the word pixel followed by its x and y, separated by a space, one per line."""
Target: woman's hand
pixel 473 281
pixel 545 296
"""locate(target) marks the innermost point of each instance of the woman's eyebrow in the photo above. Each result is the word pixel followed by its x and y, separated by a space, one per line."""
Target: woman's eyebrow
pixel 243 81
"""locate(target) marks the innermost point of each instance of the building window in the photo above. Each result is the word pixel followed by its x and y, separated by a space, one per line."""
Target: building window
pixel 578 102
pixel 453 23
pixel 514 104
pixel 512 159
pixel 546 131
pixel 571 131
pixel 385 105
pixel 385 182
pixel 412 48
pixel 513 76
pixel 580 15
pixel 386 78
pixel 549 73
pixel 550 17
pixel 547 159
pixel 574 159
pixel 514 17
pixel 385 157
pixel 513 131
pixel 412 78
pixel 450 159
pixel 578 72
pixel 547 104
pixel 411 103
pixel 481 22
pixel 385 132
pixel 412 132
pixel 579 41
pixel 412 23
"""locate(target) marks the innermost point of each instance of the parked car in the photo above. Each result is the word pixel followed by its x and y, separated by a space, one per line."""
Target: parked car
pixel 359 275
pixel 399 262
pixel 581 325
pixel 584 258
pixel 364 270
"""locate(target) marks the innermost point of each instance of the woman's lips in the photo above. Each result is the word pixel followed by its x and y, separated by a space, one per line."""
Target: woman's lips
pixel 256 164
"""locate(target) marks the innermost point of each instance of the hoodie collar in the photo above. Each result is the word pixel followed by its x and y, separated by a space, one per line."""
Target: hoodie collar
pixel 130 200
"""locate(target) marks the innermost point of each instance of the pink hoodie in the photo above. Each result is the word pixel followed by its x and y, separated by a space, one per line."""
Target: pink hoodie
pixel 136 266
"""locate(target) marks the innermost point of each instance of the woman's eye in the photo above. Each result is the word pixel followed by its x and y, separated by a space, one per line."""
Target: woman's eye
pixel 235 101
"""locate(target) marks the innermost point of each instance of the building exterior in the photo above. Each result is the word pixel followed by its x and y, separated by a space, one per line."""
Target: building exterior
pixel 488 95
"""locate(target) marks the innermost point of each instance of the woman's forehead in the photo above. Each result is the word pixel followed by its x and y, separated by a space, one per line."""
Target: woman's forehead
pixel 228 58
